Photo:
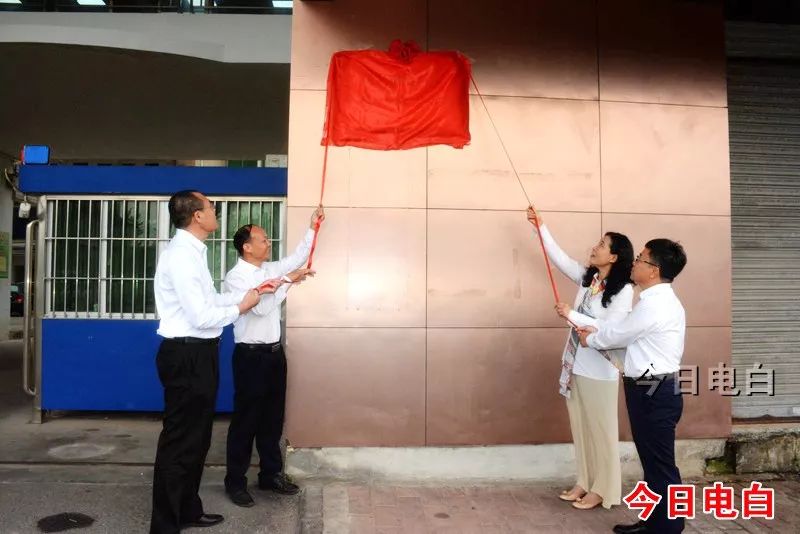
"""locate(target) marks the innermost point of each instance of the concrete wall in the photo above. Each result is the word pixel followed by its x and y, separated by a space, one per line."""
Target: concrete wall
pixel 430 321
pixel 218 37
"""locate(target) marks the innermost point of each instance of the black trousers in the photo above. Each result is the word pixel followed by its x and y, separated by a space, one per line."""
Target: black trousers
pixel 190 376
pixel 259 381
pixel 653 419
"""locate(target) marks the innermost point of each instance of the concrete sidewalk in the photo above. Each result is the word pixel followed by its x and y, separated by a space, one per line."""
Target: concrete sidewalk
pixel 101 465
pixel 118 499
pixel 355 508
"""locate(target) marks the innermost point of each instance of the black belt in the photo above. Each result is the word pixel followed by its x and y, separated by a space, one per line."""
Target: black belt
pixel 188 340
pixel 646 380
pixel 265 347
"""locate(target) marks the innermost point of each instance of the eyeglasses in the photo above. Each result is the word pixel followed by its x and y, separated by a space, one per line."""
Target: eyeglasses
pixel 211 206
pixel 640 260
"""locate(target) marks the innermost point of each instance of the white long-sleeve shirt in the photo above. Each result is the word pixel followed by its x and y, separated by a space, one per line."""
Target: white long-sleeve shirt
pixel 186 300
pixel 588 361
pixel 653 333
pixel 262 324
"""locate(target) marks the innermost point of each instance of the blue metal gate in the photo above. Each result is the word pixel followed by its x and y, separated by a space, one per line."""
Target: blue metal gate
pixel 100 230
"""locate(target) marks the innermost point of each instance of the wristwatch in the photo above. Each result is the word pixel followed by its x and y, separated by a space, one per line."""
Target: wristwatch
pixel 286 279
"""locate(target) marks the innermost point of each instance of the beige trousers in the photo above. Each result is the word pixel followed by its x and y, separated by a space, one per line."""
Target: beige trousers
pixel 592 410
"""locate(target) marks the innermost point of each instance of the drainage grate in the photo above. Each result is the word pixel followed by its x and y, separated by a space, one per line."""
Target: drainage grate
pixel 64 521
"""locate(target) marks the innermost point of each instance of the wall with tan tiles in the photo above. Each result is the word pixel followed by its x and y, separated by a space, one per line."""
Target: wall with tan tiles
pixel 430 321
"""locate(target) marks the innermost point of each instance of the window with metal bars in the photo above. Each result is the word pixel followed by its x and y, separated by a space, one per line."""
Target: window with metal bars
pixel 101 252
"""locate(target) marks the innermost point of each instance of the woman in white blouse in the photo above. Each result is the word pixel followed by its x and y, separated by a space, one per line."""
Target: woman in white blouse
pixel 589 380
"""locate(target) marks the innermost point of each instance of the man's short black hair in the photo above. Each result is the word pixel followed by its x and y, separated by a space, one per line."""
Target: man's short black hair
pixel 668 255
pixel 182 206
pixel 241 237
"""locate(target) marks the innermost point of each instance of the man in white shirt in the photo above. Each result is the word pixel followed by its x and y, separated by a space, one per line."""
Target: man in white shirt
pixel 654 336
pixel 192 316
pixel 259 363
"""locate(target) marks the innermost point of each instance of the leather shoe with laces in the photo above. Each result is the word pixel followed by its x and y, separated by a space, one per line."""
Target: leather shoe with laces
pixel 240 497
pixel 635 528
pixel 205 520
pixel 279 483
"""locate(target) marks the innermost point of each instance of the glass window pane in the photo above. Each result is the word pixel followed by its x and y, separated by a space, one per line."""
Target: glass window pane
pixel 140 229
pixel 276 221
pixel 113 296
pixel 82 216
pixel 233 219
pixel 276 231
pixel 130 219
pixel 266 217
pixel 231 256
pixel 127 296
pixel 72 218
pixel 58 295
pixel 149 253
pixel 150 302
pixel 94 229
pixel 52 290
pixel 58 257
pixel 82 257
pixel 94 256
pixel 138 296
pixel 69 301
pixel 94 296
pixel 127 259
pixel 116 219
pixel 115 258
pixel 60 224
pixel 244 214
pixel 256 216
pixel 152 219
pixel 82 291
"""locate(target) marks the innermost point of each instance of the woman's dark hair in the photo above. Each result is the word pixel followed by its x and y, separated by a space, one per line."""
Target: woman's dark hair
pixel 620 273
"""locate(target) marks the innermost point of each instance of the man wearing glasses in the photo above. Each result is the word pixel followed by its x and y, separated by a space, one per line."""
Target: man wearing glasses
pixel 259 362
pixel 192 316
pixel 654 337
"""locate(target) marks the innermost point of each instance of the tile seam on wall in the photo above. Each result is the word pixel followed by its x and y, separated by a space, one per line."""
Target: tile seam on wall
pixel 427 241
pixel 509 210
pixel 567 99
pixel 671 104
pixel 536 327
pixel 599 109
pixel 464 327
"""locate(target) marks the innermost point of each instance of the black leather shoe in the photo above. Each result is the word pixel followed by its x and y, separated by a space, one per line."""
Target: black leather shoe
pixel 635 528
pixel 279 483
pixel 240 497
pixel 205 520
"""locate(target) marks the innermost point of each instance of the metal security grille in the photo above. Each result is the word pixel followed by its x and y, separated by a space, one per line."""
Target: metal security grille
pixel 101 252
pixel 764 122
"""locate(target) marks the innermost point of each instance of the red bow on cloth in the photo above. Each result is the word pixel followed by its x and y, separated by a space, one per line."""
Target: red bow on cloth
pixel 400 99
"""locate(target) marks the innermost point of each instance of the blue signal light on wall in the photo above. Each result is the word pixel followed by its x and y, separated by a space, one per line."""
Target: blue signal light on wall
pixel 35 155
